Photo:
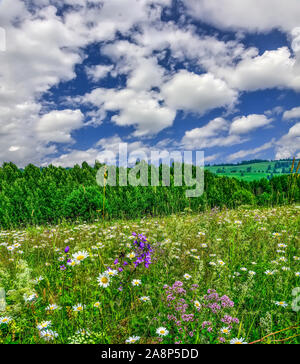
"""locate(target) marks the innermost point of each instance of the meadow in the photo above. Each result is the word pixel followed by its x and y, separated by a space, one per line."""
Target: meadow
pixel 221 276
pixel 255 170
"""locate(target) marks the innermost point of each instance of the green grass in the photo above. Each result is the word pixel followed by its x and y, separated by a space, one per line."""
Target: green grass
pixel 213 248
pixel 258 170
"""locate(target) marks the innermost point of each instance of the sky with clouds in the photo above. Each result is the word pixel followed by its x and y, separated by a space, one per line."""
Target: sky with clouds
pixel 79 77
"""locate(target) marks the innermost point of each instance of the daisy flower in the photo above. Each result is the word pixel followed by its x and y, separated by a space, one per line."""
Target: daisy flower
pixel 5 320
pixel 78 308
pixel 44 325
pixel 225 330
pixel 197 304
pixel 103 280
pixel 136 282
pixel 48 335
pixel 269 272
pixel 52 307
pixel 97 304
pixel 111 272
pixel 132 339
pixel 297 274
pixel 187 276
pixel 131 255
pixel 281 304
pixel 80 256
pixel 144 299
pixel 162 331
pixel 238 341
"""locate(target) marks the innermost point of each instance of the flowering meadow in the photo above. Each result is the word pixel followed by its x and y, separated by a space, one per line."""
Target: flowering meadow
pixel 218 277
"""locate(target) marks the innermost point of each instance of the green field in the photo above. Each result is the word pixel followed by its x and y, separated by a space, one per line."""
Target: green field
pixel 224 276
pixel 254 171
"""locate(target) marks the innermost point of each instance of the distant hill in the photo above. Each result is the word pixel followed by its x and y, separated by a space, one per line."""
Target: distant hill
pixel 254 169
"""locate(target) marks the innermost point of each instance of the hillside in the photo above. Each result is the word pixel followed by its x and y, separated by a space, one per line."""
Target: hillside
pixel 254 170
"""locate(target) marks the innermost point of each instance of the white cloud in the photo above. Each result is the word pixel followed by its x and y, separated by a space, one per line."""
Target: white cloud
pixel 246 124
pixel 245 153
pixel 213 134
pixel 57 126
pixel 200 93
pixel 98 72
pixel 249 15
pixel 271 69
pixel 139 109
pixel 289 145
pixel 292 114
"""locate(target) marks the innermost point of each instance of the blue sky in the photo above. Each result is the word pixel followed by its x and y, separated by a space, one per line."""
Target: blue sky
pixel 77 78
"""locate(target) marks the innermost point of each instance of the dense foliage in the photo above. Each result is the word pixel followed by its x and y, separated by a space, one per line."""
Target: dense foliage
pixel 49 195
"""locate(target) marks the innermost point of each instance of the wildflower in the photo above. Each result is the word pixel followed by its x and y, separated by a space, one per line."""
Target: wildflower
pixel 48 335
pixel 78 308
pixel 136 282
pixel 132 339
pixel 251 273
pixel 83 332
pixel 30 298
pixel 220 262
pixel 238 341
pixel 67 249
pixel 39 279
pixel 52 307
pixel 281 304
pixel 269 272
pixel 72 263
pixel 162 331
pixel 297 274
pixel 144 299
pixel 80 256
pixel 5 320
pixel 197 304
pixel 44 325
pixel 187 276
pixel 103 280
pixel 97 304
pixel 131 255
pixel 111 272
pixel 225 330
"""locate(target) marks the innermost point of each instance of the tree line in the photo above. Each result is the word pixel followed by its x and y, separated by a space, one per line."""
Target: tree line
pixel 52 194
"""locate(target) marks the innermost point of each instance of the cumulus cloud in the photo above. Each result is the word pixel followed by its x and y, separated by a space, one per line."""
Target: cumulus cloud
pixel 57 126
pixel 289 145
pixel 272 69
pixel 246 124
pixel 98 72
pixel 292 114
pixel 139 109
pixel 200 93
pixel 213 134
pixel 248 15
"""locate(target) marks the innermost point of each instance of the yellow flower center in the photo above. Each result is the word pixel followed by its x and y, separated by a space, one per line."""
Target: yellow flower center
pixel 104 280
pixel 80 257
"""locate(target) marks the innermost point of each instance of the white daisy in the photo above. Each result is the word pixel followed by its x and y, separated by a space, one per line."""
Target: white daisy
pixel 162 331
pixel 136 282
pixel 103 280
pixel 132 339
pixel 79 307
pixel 238 341
pixel 80 256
